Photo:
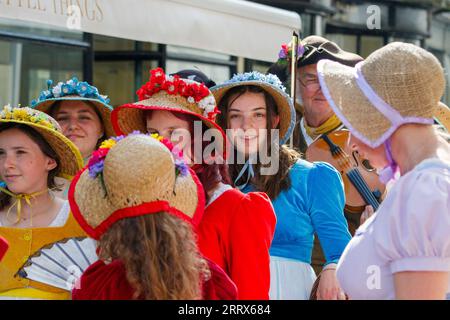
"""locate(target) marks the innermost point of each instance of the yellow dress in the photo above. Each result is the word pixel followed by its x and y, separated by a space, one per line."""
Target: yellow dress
pixel 23 243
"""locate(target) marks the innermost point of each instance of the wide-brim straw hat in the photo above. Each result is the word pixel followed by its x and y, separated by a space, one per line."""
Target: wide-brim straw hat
pixel 130 117
pixel 102 109
pixel 273 86
pixel 70 158
pixel 139 177
pixel 397 84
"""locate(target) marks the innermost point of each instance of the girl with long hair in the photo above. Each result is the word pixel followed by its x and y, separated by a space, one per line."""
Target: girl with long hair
pixel 33 152
pixel 236 229
pixel 308 198
pixel 144 224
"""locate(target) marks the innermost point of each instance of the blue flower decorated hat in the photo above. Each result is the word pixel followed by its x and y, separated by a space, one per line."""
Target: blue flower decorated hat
pixel 273 86
pixel 75 90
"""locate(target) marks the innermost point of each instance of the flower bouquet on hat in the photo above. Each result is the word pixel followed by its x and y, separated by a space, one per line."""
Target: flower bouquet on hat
pixel 62 263
pixel 75 90
pixel 171 93
pixel 153 177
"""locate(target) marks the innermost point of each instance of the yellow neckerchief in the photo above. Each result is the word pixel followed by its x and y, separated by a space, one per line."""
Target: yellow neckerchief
pixel 332 123
pixel 18 203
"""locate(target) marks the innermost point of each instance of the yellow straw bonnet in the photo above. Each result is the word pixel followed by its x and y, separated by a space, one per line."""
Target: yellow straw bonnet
pixel 69 156
pixel 134 175
pixel 397 84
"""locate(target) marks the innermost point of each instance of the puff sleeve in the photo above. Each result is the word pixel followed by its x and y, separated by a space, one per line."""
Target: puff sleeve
pixel 416 233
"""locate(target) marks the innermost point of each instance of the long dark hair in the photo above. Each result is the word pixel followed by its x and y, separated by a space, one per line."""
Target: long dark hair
pixel 46 149
pixel 270 184
pixel 210 175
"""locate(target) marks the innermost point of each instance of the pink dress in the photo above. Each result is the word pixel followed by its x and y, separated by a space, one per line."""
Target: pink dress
pixel 409 232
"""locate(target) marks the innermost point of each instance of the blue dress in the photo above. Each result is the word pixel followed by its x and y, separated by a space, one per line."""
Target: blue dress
pixel 313 204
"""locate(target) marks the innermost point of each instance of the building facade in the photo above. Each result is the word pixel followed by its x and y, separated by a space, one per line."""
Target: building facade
pixel 118 42
pixel 363 26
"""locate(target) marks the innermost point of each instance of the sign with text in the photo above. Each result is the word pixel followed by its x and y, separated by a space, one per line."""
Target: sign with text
pixel 232 27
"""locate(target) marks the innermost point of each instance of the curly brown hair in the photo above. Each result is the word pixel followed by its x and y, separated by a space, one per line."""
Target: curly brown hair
pixel 160 255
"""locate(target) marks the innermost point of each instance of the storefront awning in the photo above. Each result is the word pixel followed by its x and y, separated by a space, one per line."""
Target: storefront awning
pixel 235 27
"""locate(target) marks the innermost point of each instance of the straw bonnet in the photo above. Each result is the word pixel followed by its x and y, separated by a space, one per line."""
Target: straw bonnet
pixel 169 93
pixel 76 91
pixel 68 154
pixel 397 84
pixel 134 175
pixel 273 86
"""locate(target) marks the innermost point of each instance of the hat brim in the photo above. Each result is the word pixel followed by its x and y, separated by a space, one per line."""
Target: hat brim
pixel 70 158
pixel 130 117
pixel 338 84
pixel 102 108
pixel 442 115
pixel 100 206
pixel 284 104
pixel 359 115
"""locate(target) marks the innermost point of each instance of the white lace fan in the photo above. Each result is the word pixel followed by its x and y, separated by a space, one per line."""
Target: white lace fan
pixel 60 264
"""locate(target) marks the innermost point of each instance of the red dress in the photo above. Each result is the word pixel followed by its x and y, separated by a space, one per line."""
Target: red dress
pixel 109 282
pixel 3 247
pixel 236 232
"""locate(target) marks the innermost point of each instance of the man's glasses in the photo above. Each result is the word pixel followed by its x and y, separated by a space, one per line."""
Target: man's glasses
pixel 311 84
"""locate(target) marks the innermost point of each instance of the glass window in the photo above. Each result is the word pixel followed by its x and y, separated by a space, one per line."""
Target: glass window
pixel 259 66
pixel 306 25
pixel 145 71
pixel 25 69
pixel 411 19
pixel 149 46
pixel 218 73
pixel 347 42
pixel 9 67
pixel 408 40
pixel 116 80
pixel 369 44
pixel 40 63
pixel 103 43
